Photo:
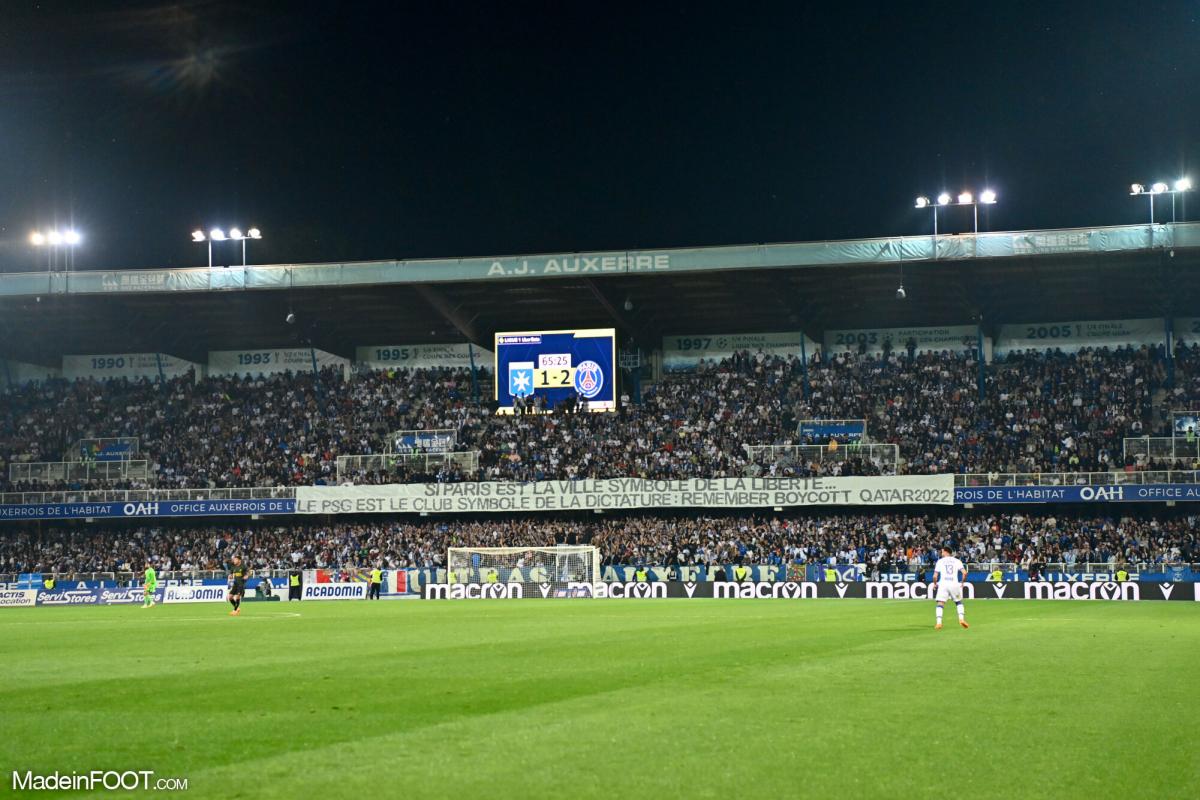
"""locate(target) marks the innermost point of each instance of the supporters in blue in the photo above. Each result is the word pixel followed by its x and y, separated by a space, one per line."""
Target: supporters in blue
pixel 1041 412
pixel 902 540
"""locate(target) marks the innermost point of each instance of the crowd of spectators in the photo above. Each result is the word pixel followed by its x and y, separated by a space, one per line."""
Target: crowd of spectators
pixel 222 432
pixel 883 540
pixel 1041 411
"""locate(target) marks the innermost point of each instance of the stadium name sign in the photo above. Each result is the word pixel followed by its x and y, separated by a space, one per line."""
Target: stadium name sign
pixel 570 265
pixel 620 493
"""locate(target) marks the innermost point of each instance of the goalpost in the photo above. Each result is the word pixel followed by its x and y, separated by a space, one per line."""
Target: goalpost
pixel 532 567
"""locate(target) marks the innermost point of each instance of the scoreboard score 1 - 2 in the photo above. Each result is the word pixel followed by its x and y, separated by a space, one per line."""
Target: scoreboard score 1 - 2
pixel 556 365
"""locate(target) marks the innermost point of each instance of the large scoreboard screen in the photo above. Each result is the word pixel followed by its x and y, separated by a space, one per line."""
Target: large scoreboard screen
pixel 556 365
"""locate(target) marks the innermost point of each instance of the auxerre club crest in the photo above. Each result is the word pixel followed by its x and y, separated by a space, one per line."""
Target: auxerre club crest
pixel 589 379
pixel 520 378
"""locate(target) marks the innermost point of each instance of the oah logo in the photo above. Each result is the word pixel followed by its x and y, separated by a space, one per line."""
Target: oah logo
pixel 589 380
pixel 1102 493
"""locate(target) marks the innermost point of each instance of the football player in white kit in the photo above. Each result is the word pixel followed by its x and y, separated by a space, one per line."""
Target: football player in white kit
pixel 948 576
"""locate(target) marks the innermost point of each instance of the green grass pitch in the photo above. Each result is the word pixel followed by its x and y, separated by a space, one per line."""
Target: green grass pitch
pixel 582 698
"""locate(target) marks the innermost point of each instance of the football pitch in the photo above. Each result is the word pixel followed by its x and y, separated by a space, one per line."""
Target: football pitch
pixel 619 698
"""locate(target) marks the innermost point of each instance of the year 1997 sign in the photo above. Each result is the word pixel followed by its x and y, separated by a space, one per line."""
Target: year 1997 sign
pixel 622 493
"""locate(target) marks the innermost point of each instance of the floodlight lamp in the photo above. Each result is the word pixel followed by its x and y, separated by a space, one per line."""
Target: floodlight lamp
pixel 198 236
pixel 1183 185
pixel 987 196
pixel 1137 188
pixel 254 233
pixel 236 233
pixel 72 237
pixel 54 238
pixel 217 235
pixel 37 239
pixel 1158 188
pixel 922 202
pixel 943 199
pixel 965 199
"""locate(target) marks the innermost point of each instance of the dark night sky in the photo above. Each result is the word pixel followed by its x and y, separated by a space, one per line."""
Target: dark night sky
pixel 439 129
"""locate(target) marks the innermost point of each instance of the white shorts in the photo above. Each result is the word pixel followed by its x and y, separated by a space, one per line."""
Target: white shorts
pixel 949 591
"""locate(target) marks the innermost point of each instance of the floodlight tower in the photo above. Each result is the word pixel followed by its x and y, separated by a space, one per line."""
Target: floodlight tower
pixel 219 235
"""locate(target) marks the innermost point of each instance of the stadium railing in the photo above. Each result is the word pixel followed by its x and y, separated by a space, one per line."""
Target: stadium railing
pixel 128 577
pixel 884 456
pixel 100 471
pixel 348 467
pixel 1077 478
pixel 147 495
pixel 289 492
pixel 1078 568
pixel 1175 448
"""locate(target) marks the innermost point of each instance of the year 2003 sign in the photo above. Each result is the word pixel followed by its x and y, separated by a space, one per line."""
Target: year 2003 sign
pixel 557 365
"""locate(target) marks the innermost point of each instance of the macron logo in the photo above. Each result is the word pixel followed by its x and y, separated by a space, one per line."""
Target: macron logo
pixel 841 589
pixel 1000 587
pixel 544 588
pixel 1167 588
pixel 690 588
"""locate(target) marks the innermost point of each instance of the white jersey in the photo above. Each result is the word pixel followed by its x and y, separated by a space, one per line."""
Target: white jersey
pixel 948 569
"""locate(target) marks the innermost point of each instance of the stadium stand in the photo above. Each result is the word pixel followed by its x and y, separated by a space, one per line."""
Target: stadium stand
pixel 884 540
pixel 1043 411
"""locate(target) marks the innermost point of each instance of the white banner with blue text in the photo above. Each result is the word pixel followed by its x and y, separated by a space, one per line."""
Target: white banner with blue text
pixel 625 493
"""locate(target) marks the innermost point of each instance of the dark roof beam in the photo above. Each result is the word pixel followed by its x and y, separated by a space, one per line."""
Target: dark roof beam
pixel 442 304
pixel 624 322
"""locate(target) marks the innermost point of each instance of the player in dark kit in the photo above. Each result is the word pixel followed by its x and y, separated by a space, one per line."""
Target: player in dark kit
pixel 237 585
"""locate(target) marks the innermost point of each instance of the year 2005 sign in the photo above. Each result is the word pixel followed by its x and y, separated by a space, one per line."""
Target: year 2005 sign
pixel 557 365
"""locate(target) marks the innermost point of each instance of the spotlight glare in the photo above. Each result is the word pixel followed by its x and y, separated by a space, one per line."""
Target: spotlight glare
pixel 217 235
pixel 1158 188
pixel 943 199
pixel 72 237
pixel 965 199
pixel 235 233
pixel 922 201
pixel 54 238
pixel 37 239
pixel 1183 185
pixel 987 196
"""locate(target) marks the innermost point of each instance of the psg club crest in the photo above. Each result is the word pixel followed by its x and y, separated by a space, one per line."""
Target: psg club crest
pixel 520 378
pixel 589 380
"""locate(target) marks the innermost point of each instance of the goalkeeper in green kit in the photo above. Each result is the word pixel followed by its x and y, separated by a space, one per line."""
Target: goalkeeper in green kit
pixel 151 583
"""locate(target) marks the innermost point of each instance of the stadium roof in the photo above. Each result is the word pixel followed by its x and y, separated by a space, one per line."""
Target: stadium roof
pixel 1025 276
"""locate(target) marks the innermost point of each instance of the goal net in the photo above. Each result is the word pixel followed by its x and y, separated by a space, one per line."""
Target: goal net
pixel 541 571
